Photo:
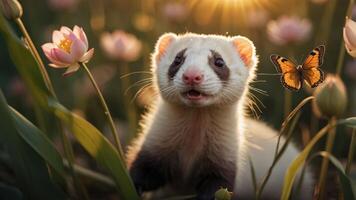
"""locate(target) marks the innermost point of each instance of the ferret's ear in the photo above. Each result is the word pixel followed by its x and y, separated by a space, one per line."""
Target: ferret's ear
pixel 162 44
pixel 246 49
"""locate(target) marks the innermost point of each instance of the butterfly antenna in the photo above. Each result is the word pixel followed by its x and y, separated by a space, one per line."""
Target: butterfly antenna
pixel 295 61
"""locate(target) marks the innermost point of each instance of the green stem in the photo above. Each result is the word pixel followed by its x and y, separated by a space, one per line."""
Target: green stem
pixel 288 119
pixel 68 150
pixel 322 35
pixel 325 162
pixel 340 61
pixel 278 155
pixel 37 56
pixel 107 112
pixel 351 152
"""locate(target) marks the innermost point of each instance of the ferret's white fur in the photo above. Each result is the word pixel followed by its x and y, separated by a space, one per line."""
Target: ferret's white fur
pixel 218 126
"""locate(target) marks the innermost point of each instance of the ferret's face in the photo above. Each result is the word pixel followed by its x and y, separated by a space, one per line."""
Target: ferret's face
pixel 202 70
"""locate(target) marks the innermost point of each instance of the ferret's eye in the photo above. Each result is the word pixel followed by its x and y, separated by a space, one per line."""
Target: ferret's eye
pixel 178 60
pixel 219 62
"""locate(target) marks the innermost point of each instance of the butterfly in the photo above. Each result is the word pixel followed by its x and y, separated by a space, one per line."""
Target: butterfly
pixel 294 75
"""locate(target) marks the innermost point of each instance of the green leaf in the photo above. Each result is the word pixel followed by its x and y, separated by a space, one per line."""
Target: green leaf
pixel 25 62
pixel 298 162
pixel 346 183
pixel 350 122
pixel 38 141
pixel 30 170
pixel 98 147
pixel 88 136
pixel 10 193
pixel 28 69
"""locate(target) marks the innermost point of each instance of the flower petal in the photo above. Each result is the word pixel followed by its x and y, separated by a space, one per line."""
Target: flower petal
pixel 87 56
pixel 77 49
pixel 350 35
pixel 47 49
pixel 57 36
pixel 79 32
pixel 346 40
pixel 65 30
pixel 58 66
pixel 350 23
pixel 71 69
pixel 62 56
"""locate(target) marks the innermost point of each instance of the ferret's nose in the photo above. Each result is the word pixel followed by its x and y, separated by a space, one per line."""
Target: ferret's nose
pixel 192 77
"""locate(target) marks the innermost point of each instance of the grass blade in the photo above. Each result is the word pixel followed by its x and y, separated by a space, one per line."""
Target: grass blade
pixel 98 147
pixel 30 170
pixel 38 141
pixel 346 183
pixel 298 162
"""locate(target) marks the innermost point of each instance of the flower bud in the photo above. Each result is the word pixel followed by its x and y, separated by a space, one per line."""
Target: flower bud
pixel 349 33
pixel 223 194
pixel 11 9
pixel 330 97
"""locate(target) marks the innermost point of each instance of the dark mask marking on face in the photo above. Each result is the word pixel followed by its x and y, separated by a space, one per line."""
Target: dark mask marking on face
pixel 218 64
pixel 176 64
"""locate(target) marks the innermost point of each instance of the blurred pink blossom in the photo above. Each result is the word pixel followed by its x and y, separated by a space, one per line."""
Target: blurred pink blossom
pixel 289 29
pixel 121 45
pixel 349 34
pixel 350 69
pixel 68 47
pixel 257 18
pixel 175 11
pixel 63 4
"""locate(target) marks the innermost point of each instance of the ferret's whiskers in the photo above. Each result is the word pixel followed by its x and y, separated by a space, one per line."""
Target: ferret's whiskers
pixel 252 108
pixel 137 83
pixel 258 100
pixel 133 73
pixel 138 92
pixel 259 81
pixel 269 74
pixel 253 105
pixel 258 90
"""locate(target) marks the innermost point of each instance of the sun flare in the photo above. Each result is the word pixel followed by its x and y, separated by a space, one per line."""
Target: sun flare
pixel 230 13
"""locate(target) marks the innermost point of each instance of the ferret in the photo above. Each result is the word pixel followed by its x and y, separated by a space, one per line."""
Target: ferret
pixel 197 138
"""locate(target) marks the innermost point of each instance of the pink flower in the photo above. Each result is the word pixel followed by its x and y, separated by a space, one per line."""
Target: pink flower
pixel 175 11
pixel 121 45
pixel 68 48
pixel 350 37
pixel 287 29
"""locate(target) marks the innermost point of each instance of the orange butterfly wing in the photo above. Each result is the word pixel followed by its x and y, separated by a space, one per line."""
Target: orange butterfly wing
pixel 310 68
pixel 291 77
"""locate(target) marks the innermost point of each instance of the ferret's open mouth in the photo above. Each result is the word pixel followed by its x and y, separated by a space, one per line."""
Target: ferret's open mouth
pixel 194 95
